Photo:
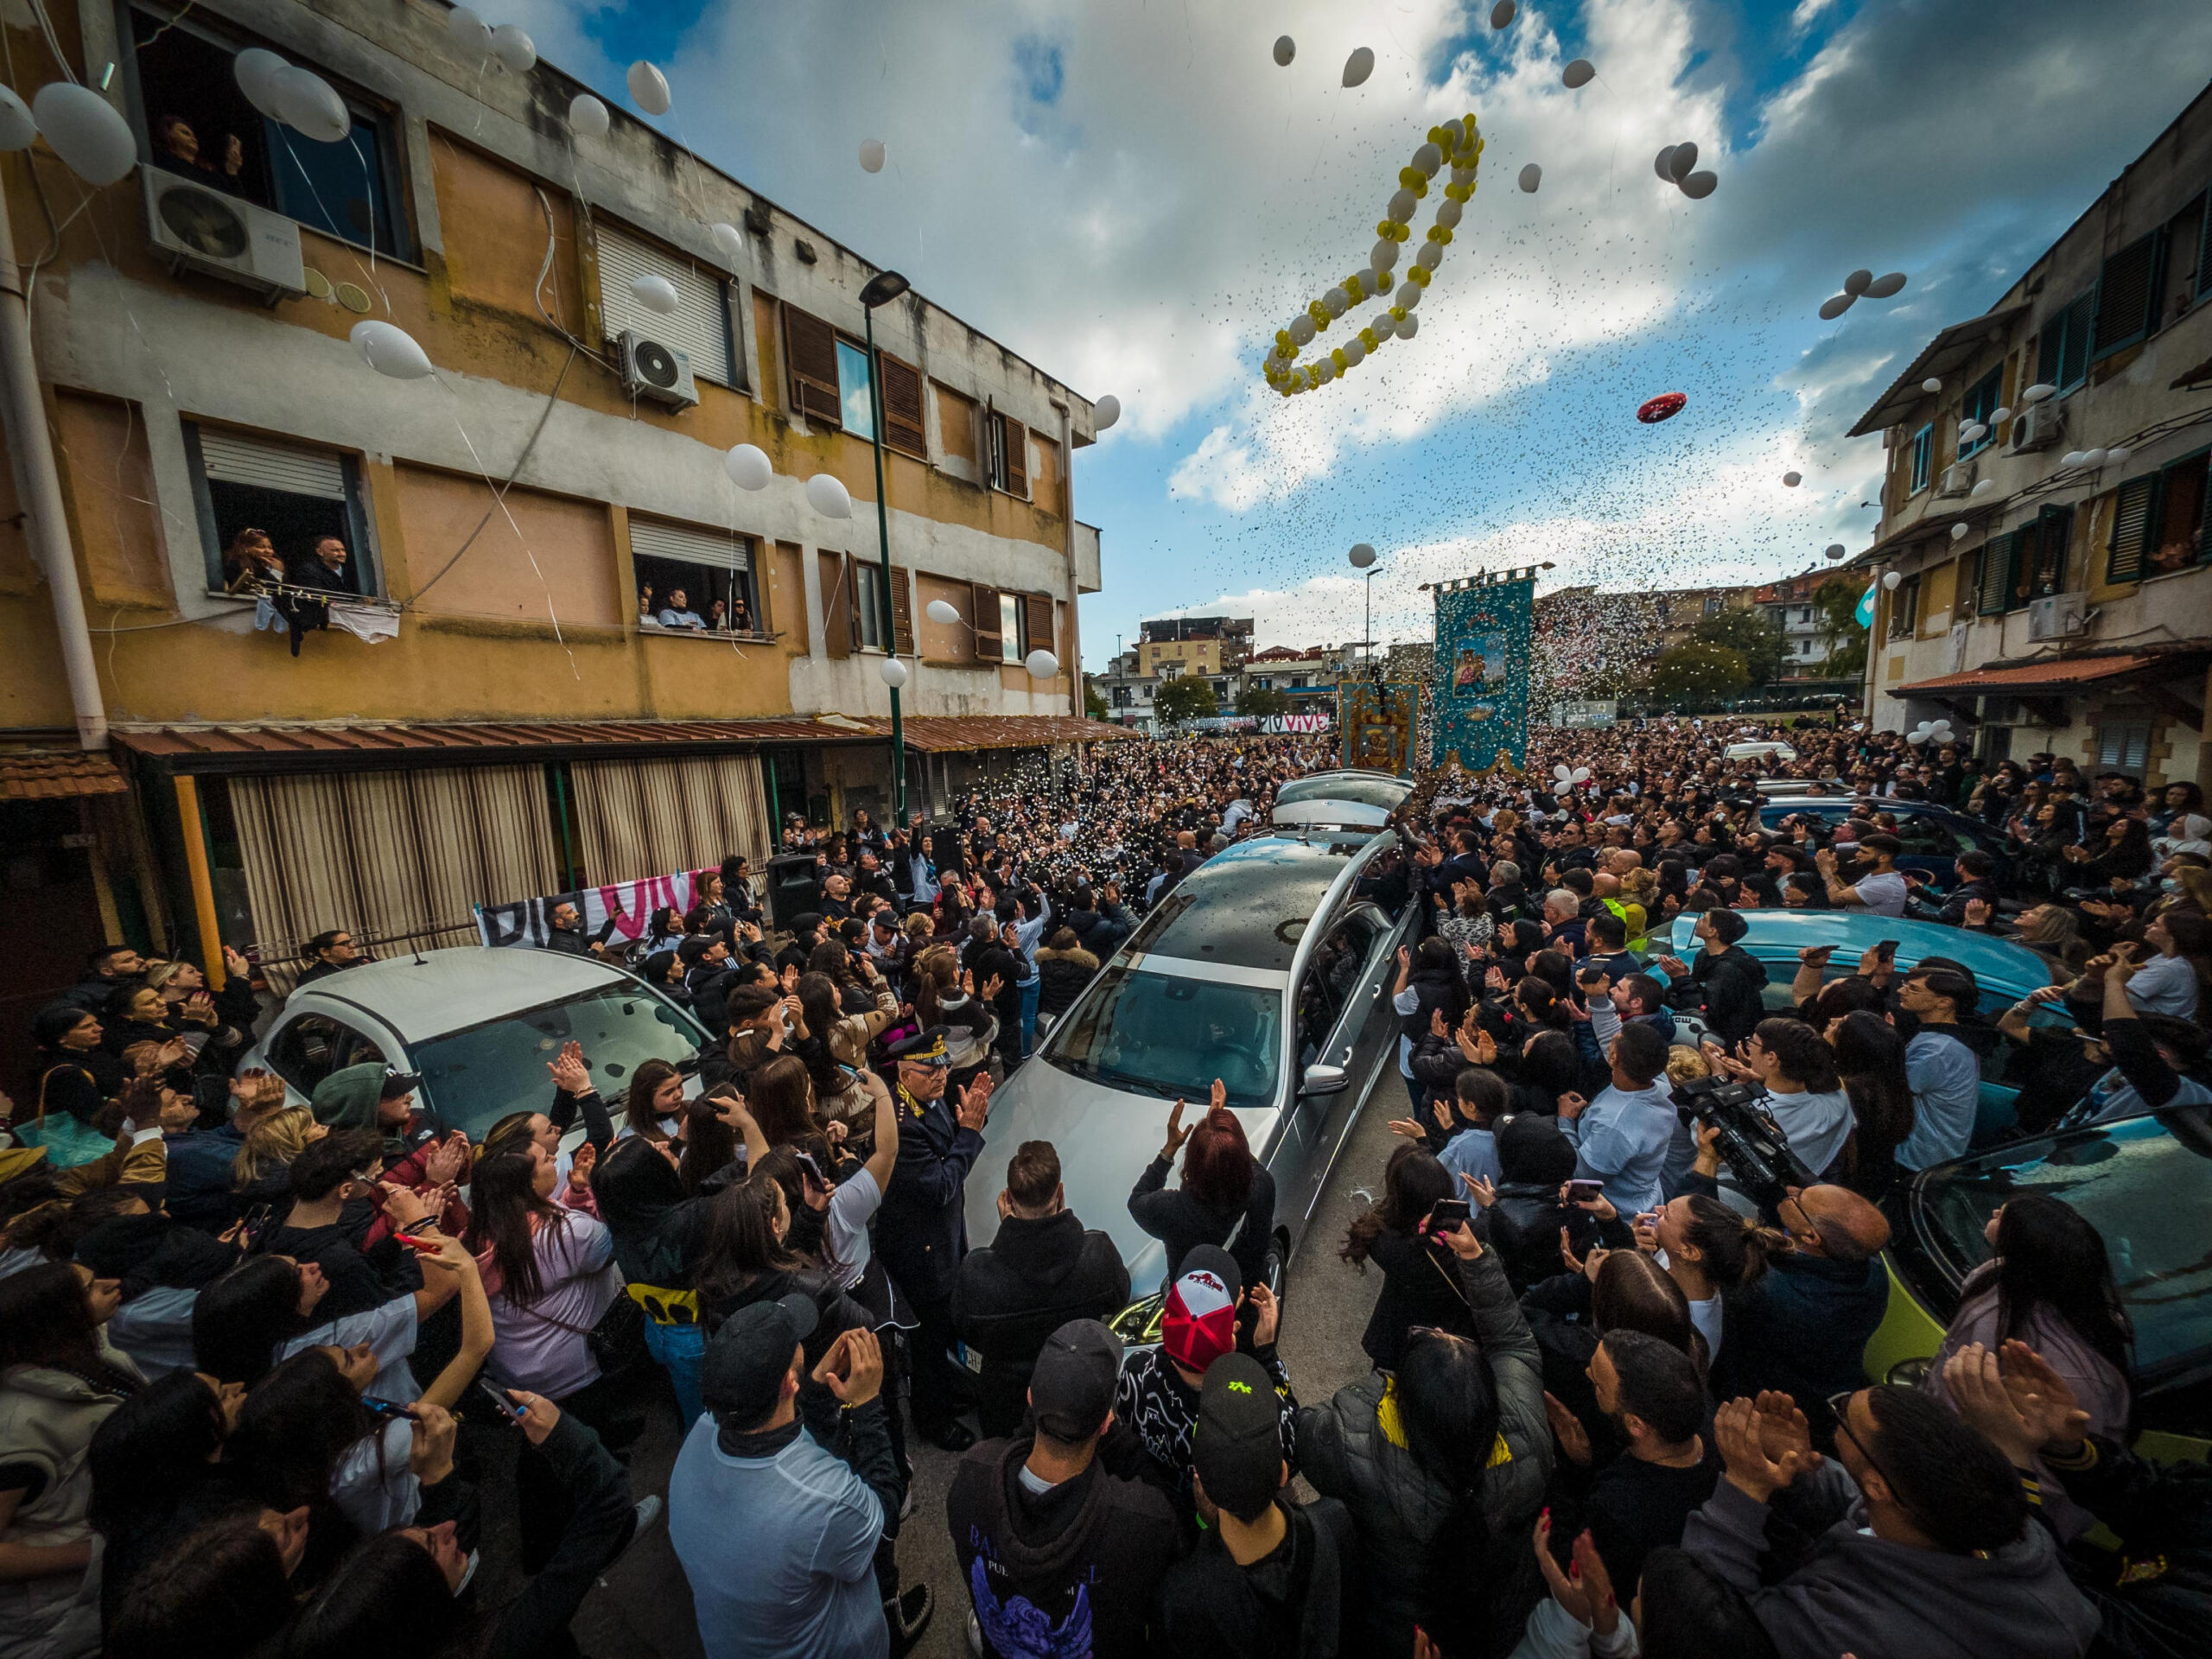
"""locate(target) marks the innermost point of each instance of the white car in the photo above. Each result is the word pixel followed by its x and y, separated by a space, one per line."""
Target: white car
pixel 1760 751
pixel 478 1025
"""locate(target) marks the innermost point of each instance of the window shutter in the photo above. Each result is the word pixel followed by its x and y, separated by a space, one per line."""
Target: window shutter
pixel 698 328
pixel 2130 529
pixel 233 458
pixel 1996 575
pixel 1015 436
pixel 1038 620
pixel 853 634
pixel 837 624
pixel 2125 294
pixel 810 349
pixel 902 407
pixel 651 539
pixel 988 648
pixel 902 611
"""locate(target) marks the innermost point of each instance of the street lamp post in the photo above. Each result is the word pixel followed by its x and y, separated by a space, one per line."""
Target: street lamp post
pixel 883 288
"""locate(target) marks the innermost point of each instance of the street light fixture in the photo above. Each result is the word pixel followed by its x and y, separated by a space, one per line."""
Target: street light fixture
pixel 883 288
pixel 1363 560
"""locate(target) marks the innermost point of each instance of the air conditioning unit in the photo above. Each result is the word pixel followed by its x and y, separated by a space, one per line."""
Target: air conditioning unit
pixel 2059 617
pixel 652 370
pixel 1956 480
pixel 204 230
pixel 2038 427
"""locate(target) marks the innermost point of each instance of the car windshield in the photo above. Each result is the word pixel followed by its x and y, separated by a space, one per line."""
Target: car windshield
pixel 1170 1036
pixel 473 1078
pixel 1385 792
pixel 2143 1183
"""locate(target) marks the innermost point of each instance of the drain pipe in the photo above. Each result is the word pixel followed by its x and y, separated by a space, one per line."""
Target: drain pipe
pixel 47 523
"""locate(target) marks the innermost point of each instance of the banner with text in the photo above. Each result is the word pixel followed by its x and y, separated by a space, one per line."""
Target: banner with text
pixel 628 906
pixel 1379 721
pixel 1483 629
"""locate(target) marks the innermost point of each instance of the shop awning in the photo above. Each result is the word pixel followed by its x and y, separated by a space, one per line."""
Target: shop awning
pixel 48 775
pixel 307 746
pixel 2057 676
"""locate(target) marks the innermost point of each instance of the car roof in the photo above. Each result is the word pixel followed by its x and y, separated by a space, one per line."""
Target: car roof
pixel 446 990
pixel 1248 906
pixel 1383 789
pixel 2000 968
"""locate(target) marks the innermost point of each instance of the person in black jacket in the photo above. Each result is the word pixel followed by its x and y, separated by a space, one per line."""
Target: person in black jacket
pixel 1227 1198
pixel 1727 983
pixel 1042 1270
pixel 1419 1285
pixel 1064 968
pixel 1042 1530
pixel 1522 1216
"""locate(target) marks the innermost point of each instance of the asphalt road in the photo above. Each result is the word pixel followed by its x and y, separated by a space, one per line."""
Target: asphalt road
pixel 642 1605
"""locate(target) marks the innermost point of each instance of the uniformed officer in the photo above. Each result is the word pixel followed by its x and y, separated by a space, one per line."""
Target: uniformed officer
pixel 921 1232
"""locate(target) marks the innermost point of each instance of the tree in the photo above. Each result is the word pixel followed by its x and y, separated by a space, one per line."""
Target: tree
pixel 1093 704
pixel 1836 605
pixel 1695 673
pixel 1184 698
pixel 1262 700
pixel 1751 633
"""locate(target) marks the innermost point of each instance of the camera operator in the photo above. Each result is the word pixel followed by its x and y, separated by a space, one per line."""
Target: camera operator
pixel 1795 1065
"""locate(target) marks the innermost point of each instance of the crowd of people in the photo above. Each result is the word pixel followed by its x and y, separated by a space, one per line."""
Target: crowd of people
pixel 267 1363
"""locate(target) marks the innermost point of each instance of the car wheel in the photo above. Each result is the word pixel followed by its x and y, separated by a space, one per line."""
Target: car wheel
pixel 1271 1269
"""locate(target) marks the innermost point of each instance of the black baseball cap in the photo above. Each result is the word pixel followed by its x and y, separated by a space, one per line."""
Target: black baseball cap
pixel 1071 1386
pixel 399 1083
pixel 1237 1446
pixel 742 1376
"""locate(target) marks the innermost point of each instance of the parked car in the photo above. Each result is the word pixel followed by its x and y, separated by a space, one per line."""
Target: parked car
pixel 2145 1185
pixel 1933 835
pixel 1351 799
pixel 1263 968
pixel 2004 971
pixel 478 1025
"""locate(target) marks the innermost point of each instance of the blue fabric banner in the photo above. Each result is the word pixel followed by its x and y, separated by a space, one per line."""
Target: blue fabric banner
pixel 1379 721
pixel 1481 689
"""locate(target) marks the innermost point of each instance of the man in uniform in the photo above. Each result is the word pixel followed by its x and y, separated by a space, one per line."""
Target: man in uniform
pixel 922 1229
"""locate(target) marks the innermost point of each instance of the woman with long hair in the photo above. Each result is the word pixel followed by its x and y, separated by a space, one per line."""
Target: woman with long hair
pixel 2122 852
pixel 750 1258
pixel 1547 1068
pixel 1227 1196
pixel 2053 932
pixel 945 995
pixel 1419 1287
pixel 659 1233
pixel 1711 1251
pixel 1443 1465
pixel 2178 980
pixel 2050 1285
pixel 835 1047
pixel 1870 1061
pixel 782 1102
pixel 59 1382
pixel 260 1173
pixel 654 1105
pixel 154 1457
pixel 78 1074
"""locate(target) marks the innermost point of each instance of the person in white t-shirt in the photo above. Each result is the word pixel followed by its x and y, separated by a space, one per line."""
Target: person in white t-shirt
pixel 1881 891
pixel 1796 1067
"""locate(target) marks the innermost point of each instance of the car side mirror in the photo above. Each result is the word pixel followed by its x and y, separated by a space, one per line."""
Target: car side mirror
pixel 1323 1080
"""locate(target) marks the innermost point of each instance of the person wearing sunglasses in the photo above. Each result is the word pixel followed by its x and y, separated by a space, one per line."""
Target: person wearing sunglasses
pixel 1921 1540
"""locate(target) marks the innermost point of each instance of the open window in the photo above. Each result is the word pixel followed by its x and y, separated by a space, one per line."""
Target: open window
pixel 1981 402
pixel 1008 440
pixel 2063 348
pixel 695 581
pixel 297 497
pixel 195 122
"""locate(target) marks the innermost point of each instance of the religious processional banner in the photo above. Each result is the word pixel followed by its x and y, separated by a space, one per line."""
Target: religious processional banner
pixel 1379 721
pixel 619 913
pixel 1481 711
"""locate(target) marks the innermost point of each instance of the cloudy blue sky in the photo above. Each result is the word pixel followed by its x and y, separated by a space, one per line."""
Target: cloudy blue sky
pixel 1132 194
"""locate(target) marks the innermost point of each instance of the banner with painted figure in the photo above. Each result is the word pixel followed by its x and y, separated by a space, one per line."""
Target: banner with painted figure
pixel 1379 721
pixel 619 913
pixel 1483 631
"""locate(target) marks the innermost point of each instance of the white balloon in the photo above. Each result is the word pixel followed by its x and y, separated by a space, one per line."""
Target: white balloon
pixel 1858 283
pixel 1408 296
pixel 2093 458
pixel 1448 213
pixel 1835 305
pixel 1430 257
pixel 648 88
pixel 1408 326
pixel 1285 50
pixel 256 70
pixel 894 672
pixel 1562 773
pixel 1931 385
pixel 1891 578
pixel 1105 412
pixel 1531 176
pixel 828 496
pixel 1834 550
pixel 312 106
pixel 1301 328
pixel 1354 350
pixel 729 239
pixel 1383 326
pixel 1335 301
pixel 85 132
pixel 748 467
pixel 1700 185
pixel 1384 256
pixel 1562 788
pixel 655 293
pixel 1402 205
pixel 2117 453
pixel 1999 415
pixel 589 116
pixel 1362 554
pixel 1502 13
pixel 390 350
pixel 1793 479
pixel 515 50
pixel 1918 735
pixel 942 612
pixel 1973 432
pixel 1041 663
pixel 871 154
pixel 1428 158
pixel 1957 532
pixel 1883 287
pixel 2071 458
pixel 1680 158
pixel 1578 74
pixel 1359 66
pixel 1663 164
pixel 18 127
pixel 2037 392
pixel 469 31
pixel 1982 487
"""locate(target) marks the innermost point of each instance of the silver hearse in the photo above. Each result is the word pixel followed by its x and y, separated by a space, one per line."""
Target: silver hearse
pixel 1266 967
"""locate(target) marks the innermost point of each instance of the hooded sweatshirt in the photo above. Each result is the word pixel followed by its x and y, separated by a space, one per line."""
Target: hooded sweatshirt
pixel 1858 1594
pixel 1074 1568
pixel 1013 1294
pixel 1301 1601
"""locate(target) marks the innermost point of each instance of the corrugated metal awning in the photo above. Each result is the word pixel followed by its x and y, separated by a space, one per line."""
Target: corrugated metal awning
pixel 48 775
pixel 2060 674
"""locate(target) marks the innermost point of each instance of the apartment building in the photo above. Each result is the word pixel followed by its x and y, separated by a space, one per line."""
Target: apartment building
pixel 2044 508
pixel 510 698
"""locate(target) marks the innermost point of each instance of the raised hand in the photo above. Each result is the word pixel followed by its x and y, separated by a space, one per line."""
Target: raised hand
pixel 1217 1097
pixel 1567 1428
pixel 1571 1105
pixel 1479 1188
pixel 1268 1312
pixel 1407 1128
pixel 1177 1134
pixel 1737 1431
pixel 580 1170
pixel 974 1108
pixel 2044 1400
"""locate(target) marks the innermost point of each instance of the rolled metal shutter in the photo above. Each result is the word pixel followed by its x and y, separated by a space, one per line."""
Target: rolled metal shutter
pixel 652 539
pixel 699 327
pixel 233 458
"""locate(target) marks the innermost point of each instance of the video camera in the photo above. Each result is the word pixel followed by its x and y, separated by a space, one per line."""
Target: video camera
pixel 1751 1143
